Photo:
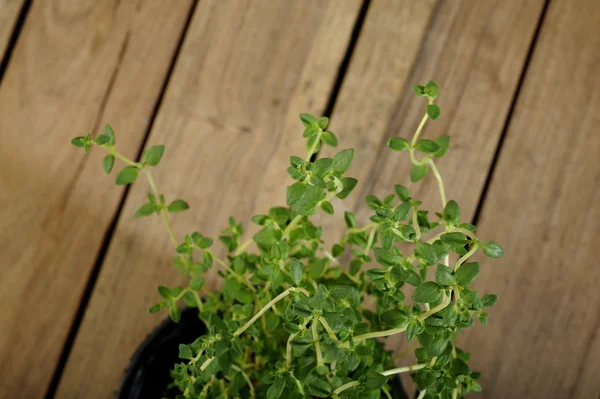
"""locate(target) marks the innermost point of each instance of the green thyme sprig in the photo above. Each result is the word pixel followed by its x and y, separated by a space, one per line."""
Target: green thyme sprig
pixel 292 316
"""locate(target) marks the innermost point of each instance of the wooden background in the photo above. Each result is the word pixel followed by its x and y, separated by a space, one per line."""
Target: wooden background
pixel 221 84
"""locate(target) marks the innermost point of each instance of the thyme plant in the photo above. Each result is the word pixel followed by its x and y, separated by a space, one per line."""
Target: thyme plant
pixel 291 316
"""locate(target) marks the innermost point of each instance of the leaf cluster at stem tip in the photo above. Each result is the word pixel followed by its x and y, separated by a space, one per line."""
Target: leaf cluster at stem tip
pixel 299 319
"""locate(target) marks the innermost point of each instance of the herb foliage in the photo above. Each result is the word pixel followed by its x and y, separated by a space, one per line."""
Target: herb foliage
pixel 290 317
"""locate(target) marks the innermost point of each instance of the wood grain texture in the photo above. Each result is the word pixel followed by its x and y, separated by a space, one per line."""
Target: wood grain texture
pixel 466 48
pixel 543 206
pixel 75 64
pixel 230 117
pixel 9 12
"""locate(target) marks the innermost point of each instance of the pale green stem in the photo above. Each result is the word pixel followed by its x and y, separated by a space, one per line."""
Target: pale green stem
pixel 152 184
pixel 422 394
pixel 347 385
pixel 238 277
pixel 440 182
pixel 371 238
pixel 466 256
pixel 248 381
pixel 207 363
pixel 241 248
pixel 455 393
pixel 268 306
pixel 419 129
pixel 416 223
pixel 291 226
pixel 312 149
pixel 359 338
pixel 328 328
pixel 386 392
pixel 288 349
pixel 404 369
pixel 317 343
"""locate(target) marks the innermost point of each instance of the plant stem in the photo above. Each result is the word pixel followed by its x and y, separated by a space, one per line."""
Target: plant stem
pixel 359 338
pixel 371 238
pixel 312 149
pixel 440 181
pixel 328 328
pixel 419 129
pixel 292 224
pixel 317 343
pixel 404 369
pixel 466 256
pixel 241 248
pixel 347 385
pixel 416 223
pixel 422 394
pixel 268 306
pixel 237 276
pixel 288 349
pixel 207 363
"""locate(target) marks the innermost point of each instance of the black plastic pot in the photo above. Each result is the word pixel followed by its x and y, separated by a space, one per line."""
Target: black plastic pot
pixel 147 376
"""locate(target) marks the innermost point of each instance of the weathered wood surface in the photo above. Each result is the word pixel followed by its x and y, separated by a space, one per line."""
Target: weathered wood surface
pixel 544 206
pixel 229 122
pixel 9 13
pixel 74 65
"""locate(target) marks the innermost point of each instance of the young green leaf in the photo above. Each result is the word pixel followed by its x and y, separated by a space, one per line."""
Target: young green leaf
pixel 275 390
pixel 350 219
pixel 178 206
pixel 127 175
pixel 375 380
pixel 102 139
pixel 451 213
pixel 394 318
pixel 185 352
pixel 454 238
pixel 427 146
pixel 466 273
pixel 323 122
pixel 444 276
pixel 403 193
pixel 342 160
pixel 443 143
pixel 327 207
pixel 108 131
pixel 153 155
pixel 432 90
pixel 79 142
pixel 433 111
pixel 493 250
pixel 108 163
pixel 297 271
pixel 146 210
pixel 398 143
pixel 427 292
pixel 308 120
pixel 295 192
pixel 348 183
pixel 329 138
pixel 489 300
pixel 417 172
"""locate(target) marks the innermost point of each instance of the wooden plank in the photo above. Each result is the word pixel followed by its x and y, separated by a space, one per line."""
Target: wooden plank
pixel 467 49
pixel 230 117
pixel 544 206
pixel 73 67
pixel 9 13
